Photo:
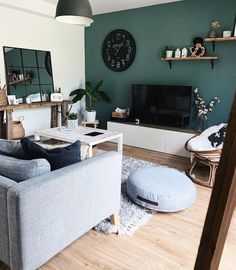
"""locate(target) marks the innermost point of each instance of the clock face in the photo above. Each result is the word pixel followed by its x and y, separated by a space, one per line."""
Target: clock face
pixel 118 50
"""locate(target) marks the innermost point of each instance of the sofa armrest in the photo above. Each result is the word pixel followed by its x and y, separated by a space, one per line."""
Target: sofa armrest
pixel 5 184
pixel 48 212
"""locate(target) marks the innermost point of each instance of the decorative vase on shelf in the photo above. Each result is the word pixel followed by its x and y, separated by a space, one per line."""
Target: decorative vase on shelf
pixel 213 31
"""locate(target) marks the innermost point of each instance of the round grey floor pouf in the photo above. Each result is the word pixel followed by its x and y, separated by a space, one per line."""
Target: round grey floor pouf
pixel 162 189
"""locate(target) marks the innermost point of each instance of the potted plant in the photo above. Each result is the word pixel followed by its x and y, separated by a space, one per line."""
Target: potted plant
pixel 72 120
pixel 167 52
pixel 29 75
pixel 93 95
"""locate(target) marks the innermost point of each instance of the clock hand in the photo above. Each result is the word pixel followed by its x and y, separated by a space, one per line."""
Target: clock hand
pixel 117 50
pixel 120 45
pixel 115 47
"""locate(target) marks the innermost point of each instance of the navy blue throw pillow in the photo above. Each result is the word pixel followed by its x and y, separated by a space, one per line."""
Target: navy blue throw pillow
pixel 217 138
pixel 57 157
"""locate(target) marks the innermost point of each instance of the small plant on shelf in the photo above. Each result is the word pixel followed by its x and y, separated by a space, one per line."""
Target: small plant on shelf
pixel 72 116
pixel 29 75
pixel 167 52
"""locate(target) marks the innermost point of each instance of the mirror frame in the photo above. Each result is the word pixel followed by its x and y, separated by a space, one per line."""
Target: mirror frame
pixel 24 68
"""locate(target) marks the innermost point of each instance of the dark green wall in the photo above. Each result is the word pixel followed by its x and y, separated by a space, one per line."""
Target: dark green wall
pixel 174 24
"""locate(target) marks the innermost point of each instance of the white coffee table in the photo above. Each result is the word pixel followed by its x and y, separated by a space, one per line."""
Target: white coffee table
pixel 79 133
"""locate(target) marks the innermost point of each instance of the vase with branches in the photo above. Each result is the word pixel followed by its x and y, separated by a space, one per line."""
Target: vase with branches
pixel 203 108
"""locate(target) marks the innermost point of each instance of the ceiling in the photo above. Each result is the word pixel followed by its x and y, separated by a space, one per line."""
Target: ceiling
pixel 47 8
pixel 106 6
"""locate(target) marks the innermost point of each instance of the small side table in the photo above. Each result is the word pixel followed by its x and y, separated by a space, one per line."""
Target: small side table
pixel 95 123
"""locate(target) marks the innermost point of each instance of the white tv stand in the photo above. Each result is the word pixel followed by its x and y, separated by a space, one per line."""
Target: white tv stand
pixel 161 139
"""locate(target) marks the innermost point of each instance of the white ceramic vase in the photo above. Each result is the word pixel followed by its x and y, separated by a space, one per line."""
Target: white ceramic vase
pixel 90 116
pixel 72 123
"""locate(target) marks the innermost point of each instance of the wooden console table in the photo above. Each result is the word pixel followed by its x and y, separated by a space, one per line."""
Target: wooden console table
pixel 56 107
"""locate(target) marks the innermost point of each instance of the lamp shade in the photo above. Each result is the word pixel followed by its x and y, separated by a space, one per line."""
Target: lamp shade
pixel 74 12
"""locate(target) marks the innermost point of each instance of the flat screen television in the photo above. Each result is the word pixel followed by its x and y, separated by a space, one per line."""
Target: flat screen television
pixel 167 105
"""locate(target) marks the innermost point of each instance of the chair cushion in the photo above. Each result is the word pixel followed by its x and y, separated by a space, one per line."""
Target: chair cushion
pixel 202 143
pixel 20 170
pixel 217 138
pixel 57 157
pixel 11 148
pixel 161 188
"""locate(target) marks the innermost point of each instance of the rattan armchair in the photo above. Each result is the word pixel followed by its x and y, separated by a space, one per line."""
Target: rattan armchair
pixel 205 149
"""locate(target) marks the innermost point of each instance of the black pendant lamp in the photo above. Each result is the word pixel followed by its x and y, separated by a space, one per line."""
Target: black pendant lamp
pixel 74 12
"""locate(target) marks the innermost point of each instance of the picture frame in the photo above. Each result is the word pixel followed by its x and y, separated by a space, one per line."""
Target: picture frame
pixel 11 100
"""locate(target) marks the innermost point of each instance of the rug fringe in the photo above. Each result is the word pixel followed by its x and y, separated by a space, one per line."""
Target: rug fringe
pixel 132 215
pixel 135 225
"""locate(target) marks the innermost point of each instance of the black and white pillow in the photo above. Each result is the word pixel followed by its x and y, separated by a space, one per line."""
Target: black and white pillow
pixel 218 137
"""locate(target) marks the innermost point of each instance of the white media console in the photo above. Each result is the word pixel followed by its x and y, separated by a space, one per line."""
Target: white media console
pixel 169 141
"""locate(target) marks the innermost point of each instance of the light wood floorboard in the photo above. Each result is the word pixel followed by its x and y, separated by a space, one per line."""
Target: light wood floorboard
pixel 166 242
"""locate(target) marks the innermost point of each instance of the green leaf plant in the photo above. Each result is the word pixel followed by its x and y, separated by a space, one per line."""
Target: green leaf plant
pixel 72 116
pixel 92 94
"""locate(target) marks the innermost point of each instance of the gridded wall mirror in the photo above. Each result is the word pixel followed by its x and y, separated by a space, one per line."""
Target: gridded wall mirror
pixel 28 73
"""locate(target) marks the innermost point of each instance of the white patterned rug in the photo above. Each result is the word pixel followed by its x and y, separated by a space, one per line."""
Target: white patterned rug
pixel 132 216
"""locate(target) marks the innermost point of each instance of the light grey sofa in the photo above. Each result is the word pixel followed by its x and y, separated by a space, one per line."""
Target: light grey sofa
pixel 41 216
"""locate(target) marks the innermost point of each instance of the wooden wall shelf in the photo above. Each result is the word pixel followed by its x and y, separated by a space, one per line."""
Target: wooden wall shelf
pixel 221 39
pixel 56 107
pixel 32 105
pixel 191 58
pixel 20 81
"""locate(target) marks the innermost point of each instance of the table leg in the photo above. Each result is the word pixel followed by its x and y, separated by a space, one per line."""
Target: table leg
pixel 1 123
pixel 115 220
pixel 54 116
pixel 9 127
pixel 90 151
pixel 120 144
pixel 64 112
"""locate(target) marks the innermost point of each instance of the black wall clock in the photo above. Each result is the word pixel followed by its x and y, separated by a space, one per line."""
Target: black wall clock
pixel 118 50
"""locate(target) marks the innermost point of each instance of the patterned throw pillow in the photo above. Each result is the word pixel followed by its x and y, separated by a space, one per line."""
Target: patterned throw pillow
pixel 217 138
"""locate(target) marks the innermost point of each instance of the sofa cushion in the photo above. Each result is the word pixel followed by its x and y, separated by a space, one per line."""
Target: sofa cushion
pixel 20 170
pixel 11 148
pixel 57 157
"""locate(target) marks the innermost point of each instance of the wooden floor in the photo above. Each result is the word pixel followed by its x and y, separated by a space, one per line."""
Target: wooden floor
pixel 167 241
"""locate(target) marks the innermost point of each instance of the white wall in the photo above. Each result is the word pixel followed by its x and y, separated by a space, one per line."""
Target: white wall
pixel 66 44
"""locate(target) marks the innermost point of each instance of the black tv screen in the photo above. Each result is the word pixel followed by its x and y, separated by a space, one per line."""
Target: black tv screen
pixel 167 105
